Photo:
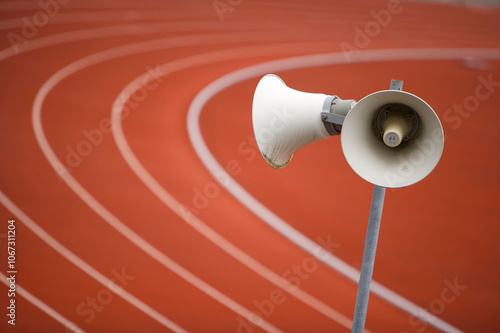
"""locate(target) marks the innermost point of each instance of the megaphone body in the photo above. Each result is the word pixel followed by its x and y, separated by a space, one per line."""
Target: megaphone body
pixel 286 120
pixel 390 138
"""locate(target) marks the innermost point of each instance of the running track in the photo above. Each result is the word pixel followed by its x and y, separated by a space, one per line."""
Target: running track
pixel 142 204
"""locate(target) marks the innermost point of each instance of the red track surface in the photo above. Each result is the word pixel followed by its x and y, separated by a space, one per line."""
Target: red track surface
pixel 443 230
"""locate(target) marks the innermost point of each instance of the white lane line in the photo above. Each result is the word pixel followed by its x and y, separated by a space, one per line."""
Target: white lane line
pixel 15 5
pixel 125 29
pixel 267 215
pixel 102 16
pixel 98 208
pixel 44 307
pixel 84 266
pixel 177 207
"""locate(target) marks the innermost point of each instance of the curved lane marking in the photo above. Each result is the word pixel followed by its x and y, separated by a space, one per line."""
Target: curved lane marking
pixel 44 307
pixel 85 267
pixel 120 30
pixel 100 16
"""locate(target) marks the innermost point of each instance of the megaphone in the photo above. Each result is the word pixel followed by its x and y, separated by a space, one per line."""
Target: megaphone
pixel 285 120
pixel 390 138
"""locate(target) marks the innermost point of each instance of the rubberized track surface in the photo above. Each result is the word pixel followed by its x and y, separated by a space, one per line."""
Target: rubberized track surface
pixel 126 129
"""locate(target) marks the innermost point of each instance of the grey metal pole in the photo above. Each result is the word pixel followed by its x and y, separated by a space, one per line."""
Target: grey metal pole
pixel 365 278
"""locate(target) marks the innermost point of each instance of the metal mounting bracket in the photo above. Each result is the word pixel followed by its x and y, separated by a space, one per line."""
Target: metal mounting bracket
pixel 334 113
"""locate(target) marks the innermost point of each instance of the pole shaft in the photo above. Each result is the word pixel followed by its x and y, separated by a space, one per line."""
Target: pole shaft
pixel 365 278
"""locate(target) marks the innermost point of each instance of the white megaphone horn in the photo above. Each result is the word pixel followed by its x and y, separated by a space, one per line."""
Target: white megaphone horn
pixel 390 138
pixel 286 120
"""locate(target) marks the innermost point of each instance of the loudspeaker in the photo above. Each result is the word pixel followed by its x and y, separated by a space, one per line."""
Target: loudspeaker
pixel 390 138
pixel 409 155
pixel 285 120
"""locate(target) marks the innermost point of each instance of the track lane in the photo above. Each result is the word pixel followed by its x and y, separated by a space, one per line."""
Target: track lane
pixel 214 221
pixel 40 305
pixel 110 284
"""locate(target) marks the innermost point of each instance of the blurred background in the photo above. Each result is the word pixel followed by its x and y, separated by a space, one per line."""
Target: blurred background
pixel 134 199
